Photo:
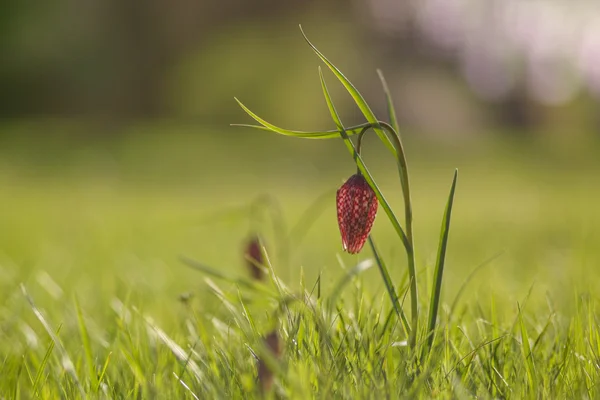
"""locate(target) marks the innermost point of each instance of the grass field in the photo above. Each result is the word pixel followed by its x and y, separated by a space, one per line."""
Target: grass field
pixel 95 301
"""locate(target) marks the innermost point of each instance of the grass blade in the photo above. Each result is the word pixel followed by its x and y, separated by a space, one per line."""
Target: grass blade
pixel 42 367
pixel 439 265
pixel 389 285
pixel 67 363
pixel 390 103
pixel 87 349
pixel 103 372
pixel 356 96
pixel 526 349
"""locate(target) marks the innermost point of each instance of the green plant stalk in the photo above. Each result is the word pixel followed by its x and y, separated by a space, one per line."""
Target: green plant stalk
pixel 436 291
pixel 408 220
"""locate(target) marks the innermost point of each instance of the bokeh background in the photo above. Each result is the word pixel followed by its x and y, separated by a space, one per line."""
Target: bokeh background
pixel 116 154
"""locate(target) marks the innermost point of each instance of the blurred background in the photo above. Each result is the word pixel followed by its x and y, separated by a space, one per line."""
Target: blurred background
pixel 115 142
pixel 455 66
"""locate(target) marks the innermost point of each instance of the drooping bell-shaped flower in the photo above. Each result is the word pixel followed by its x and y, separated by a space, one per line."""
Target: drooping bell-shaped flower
pixel 356 209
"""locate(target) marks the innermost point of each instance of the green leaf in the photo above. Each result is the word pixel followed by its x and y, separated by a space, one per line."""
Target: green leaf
pixel 355 94
pixel 389 101
pixel 526 349
pixel 389 285
pixel 301 134
pixel 42 367
pixel 439 265
pixel 87 348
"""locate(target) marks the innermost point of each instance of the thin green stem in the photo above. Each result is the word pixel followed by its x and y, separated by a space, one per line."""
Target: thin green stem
pixel 408 219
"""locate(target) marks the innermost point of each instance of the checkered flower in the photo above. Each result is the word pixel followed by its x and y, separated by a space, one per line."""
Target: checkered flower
pixel 356 210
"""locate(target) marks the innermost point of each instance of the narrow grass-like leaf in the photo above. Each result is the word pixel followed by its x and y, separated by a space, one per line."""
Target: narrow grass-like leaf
pixel 390 103
pixel 103 372
pixel 177 351
pixel 439 265
pixel 356 96
pixel 42 367
pixel 389 285
pixel 67 363
pixel 87 349
pixel 543 332
pixel 185 386
pixel 134 365
pixel 473 352
pixel 526 349
pixel 300 134
pixel 330 134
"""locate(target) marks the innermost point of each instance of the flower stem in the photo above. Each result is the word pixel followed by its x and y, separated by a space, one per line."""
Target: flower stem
pixel 408 219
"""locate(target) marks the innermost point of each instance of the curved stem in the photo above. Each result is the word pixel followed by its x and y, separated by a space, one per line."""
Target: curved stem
pixel 359 144
pixel 408 220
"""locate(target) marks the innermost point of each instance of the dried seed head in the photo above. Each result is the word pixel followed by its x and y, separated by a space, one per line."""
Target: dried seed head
pixel 356 209
pixel 253 258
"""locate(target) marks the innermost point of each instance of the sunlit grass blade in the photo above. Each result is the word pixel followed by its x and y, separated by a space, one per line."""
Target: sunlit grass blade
pixel 42 367
pixel 390 103
pixel 66 360
pixel 526 350
pixel 103 371
pixel 287 132
pixel 361 165
pixel 177 351
pixel 473 352
pixel 87 348
pixel 439 265
pixel 389 286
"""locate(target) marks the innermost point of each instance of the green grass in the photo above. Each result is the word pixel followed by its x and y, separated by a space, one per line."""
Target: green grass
pixel 94 232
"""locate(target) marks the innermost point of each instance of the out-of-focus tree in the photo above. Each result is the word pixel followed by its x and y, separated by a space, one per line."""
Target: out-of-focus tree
pixel 518 55
pixel 108 57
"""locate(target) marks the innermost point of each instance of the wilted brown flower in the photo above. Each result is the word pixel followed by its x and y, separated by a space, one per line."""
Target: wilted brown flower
pixel 356 209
